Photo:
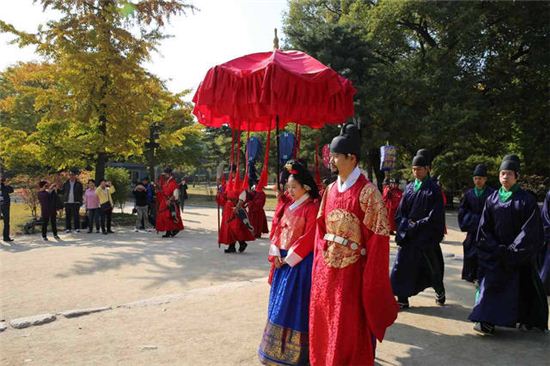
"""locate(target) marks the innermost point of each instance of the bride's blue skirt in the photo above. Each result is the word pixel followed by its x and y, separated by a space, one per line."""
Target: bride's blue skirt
pixel 286 340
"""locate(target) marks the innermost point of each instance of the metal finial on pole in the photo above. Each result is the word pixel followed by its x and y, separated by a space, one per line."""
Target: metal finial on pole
pixel 276 41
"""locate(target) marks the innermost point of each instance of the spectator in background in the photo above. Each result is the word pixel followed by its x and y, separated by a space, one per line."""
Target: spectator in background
pixel 151 209
pixel 106 204
pixel 72 198
pixel 392 197
pixel 47 197
pixel 5 203
pixel 91 202
pixel 140 195
pixel 183 193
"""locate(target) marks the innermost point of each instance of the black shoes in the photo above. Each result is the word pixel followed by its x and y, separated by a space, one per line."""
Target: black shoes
pixel 171 233
pixel 242 246
pixel 403 305
pixel 484 328
pixel 231 249
pixel 403 302
pixel 440 299
pixel 8 239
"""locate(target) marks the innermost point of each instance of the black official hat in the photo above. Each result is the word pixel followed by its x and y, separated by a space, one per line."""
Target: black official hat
pixel 480 170
pixel 348 142
pixel 420 160
pixel 426 154
pixel 510 162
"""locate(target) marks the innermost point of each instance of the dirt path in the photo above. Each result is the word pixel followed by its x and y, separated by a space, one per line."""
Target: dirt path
pixel 205 307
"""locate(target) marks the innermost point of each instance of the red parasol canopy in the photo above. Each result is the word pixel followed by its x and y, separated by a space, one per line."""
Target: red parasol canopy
pixel 250 91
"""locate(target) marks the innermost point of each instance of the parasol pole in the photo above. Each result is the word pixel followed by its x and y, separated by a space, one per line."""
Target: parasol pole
pixel 275 48
pixel 278 158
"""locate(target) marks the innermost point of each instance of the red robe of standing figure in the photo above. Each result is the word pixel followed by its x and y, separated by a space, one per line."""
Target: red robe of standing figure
pixel 165 194
pixel 392 196
pixel 352 302
pixel 232 229
pixel 256 213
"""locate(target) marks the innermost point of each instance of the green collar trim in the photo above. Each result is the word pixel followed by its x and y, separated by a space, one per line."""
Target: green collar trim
pixel 479 192
pixel 504 195
pixel 418 183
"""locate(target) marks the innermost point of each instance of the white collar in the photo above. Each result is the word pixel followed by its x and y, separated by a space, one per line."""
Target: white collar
pixel 352 178
pixel 297 204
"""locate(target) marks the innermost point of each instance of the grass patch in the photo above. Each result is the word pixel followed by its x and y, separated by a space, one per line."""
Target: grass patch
pixel 204 196
pixel 20 214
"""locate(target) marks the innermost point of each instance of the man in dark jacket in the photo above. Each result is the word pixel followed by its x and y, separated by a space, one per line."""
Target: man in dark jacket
pixel 72 192
pixel 5 191
pixel 469 214
pixel 420 221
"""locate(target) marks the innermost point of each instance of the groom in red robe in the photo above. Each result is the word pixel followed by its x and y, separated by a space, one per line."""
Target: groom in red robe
pixel 352 301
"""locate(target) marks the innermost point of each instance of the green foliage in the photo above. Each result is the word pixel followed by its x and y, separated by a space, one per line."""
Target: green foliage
pixel 181 139
pixel 98 101
pixel 536 184
pixel 120 178
pixel 467 80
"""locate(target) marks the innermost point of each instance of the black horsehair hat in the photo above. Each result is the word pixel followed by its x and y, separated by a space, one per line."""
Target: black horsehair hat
pixel 480 170
pixel 426 154
pixel 348 141
pixel 420 160
pixel 510 162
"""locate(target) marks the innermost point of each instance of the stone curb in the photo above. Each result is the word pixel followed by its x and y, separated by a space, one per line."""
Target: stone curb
pixel 80 312
pixel 25 322
pixel 30 321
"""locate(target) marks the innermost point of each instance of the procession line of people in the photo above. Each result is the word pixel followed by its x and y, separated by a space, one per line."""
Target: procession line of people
pixel 331 294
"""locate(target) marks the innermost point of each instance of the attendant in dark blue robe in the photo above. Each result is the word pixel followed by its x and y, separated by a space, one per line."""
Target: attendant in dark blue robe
pixel 545 254
pixel 420 220
pixel 469 215
pixel 509 239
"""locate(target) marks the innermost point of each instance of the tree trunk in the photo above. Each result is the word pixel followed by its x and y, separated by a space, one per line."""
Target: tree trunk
pixel 151 164
pixel 101 162
pixel 374 162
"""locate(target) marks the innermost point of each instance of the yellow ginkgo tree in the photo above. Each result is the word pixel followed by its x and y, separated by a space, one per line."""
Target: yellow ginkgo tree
pixel 97 100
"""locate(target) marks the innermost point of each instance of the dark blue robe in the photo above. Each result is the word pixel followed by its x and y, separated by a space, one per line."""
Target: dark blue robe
pixel 420 220
pixel 469 214
pixel 544 260
pixel 509 239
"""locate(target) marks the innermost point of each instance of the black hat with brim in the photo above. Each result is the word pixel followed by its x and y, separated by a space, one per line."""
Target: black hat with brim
pixel 480 170
pixel 420 160
pixel 348 142
pixel 510 162
pixel 426 154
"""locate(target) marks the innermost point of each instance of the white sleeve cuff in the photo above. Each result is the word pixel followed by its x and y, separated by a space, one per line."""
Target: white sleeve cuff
pixel 292 258
pixel 274 251
pixel 242 196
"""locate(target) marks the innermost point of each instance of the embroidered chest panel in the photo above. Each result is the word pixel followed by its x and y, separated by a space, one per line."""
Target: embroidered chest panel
pixel 345 213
